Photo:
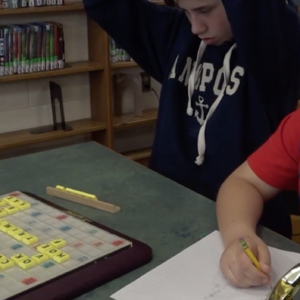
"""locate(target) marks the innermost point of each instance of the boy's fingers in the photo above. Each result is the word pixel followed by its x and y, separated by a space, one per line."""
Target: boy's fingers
pixel 234 279
pixel 246 271
pixel 264 258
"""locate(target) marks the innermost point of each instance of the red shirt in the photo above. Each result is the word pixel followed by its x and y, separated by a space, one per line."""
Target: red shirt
pixel 277 162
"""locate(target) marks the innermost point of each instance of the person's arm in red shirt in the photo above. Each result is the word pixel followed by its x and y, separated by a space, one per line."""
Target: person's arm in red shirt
pixel 272 168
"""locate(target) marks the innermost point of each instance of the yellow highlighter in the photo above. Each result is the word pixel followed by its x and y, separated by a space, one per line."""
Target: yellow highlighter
pixel 249 253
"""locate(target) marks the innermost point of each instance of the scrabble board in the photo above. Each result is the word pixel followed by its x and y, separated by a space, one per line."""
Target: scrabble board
pixel 47 252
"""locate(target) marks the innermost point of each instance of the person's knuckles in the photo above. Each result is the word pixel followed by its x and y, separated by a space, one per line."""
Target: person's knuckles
pixel 244 262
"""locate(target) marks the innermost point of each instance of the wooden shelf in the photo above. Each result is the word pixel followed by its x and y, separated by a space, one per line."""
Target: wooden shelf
pixel 124 64
pixel 76 6
pixel 24 137
pixel 71 68
pixel 138 154
pixel 129 120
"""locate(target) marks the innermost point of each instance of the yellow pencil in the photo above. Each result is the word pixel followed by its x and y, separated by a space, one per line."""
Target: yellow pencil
pixel 251 256
pixel 249 253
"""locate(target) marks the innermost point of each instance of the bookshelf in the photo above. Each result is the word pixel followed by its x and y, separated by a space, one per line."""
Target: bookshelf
pixel 102 124
pixel 124 65
pixel 71 68
pixel 127 121
pixel 69 7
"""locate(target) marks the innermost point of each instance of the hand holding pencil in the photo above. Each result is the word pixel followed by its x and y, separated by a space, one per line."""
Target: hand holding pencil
pixel 246 262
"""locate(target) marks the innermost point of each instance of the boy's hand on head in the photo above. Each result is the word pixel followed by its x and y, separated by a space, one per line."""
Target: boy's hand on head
pixel 238 268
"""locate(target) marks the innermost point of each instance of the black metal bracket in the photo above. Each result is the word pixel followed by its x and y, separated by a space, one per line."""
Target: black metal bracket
pixel 55 94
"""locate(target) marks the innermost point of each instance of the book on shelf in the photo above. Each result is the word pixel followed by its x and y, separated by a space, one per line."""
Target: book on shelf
pixel 30 48
pixel 6 4
pixel 117 54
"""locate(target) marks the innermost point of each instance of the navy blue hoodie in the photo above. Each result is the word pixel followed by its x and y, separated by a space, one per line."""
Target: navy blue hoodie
pixel 201 139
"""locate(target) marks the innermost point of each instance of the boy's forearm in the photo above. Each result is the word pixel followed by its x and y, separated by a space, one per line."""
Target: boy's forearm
pixel 239 208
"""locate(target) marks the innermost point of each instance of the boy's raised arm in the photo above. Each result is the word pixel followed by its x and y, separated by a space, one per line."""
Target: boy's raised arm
pixel 267 34
pixel 145 30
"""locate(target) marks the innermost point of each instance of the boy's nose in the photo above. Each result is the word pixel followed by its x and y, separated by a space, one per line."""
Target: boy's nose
pixel 198 26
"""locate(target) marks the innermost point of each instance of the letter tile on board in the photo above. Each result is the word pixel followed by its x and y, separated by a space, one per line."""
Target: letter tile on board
pixel 11 210
pixel 2 257
pixel 6 264
pixel 20 236
pixel 14 231
pixel 44 247
pixel 26 263
pixel 52 252
pixel 62 257
pixel 19 257
pixel 40 258
pixel 3 213
pixel 58 243
pixel 6 227
pixel 22 205
pixel 30 240
pixel 9 199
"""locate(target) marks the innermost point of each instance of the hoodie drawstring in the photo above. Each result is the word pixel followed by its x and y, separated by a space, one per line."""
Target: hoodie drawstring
pixel 191 88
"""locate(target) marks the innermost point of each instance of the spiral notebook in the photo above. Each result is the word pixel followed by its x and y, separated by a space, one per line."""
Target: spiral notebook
pixel 194 274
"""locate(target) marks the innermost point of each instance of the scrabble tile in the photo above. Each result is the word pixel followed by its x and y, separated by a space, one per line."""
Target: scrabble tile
pixel 20 236
pixel 6 227
pixel 44 247
pixel 2 257
pixel 30 240
pixel 3 213
pixel 3 222
pixel 40 258
pixel 22 205
pixel 15 202
pixel 11 209
pixel 14 231
pixel 52 252
pixel 61 258
pixel 26 263
pixel 9 199
pixel 18 257
pixel 6 264
pixel 58 243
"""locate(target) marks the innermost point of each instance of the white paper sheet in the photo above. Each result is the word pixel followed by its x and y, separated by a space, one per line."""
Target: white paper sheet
pixel 194 274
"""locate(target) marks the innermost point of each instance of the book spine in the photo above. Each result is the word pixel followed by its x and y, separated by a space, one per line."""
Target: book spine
pixel 6 51
pixel 11 50
pixel 15 49
pixel 61 53
pixel 2 57
pixel 23 3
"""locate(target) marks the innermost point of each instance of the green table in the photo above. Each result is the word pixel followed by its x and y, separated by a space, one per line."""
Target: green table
pixel 155 210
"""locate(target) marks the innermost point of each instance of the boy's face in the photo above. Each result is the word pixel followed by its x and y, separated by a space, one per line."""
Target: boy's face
pixel 208 20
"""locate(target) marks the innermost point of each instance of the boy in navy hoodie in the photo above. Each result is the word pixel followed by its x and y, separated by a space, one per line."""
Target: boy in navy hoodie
pixel 229 72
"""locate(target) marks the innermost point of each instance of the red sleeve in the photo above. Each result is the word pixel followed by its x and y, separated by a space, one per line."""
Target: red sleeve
pixel 276 162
